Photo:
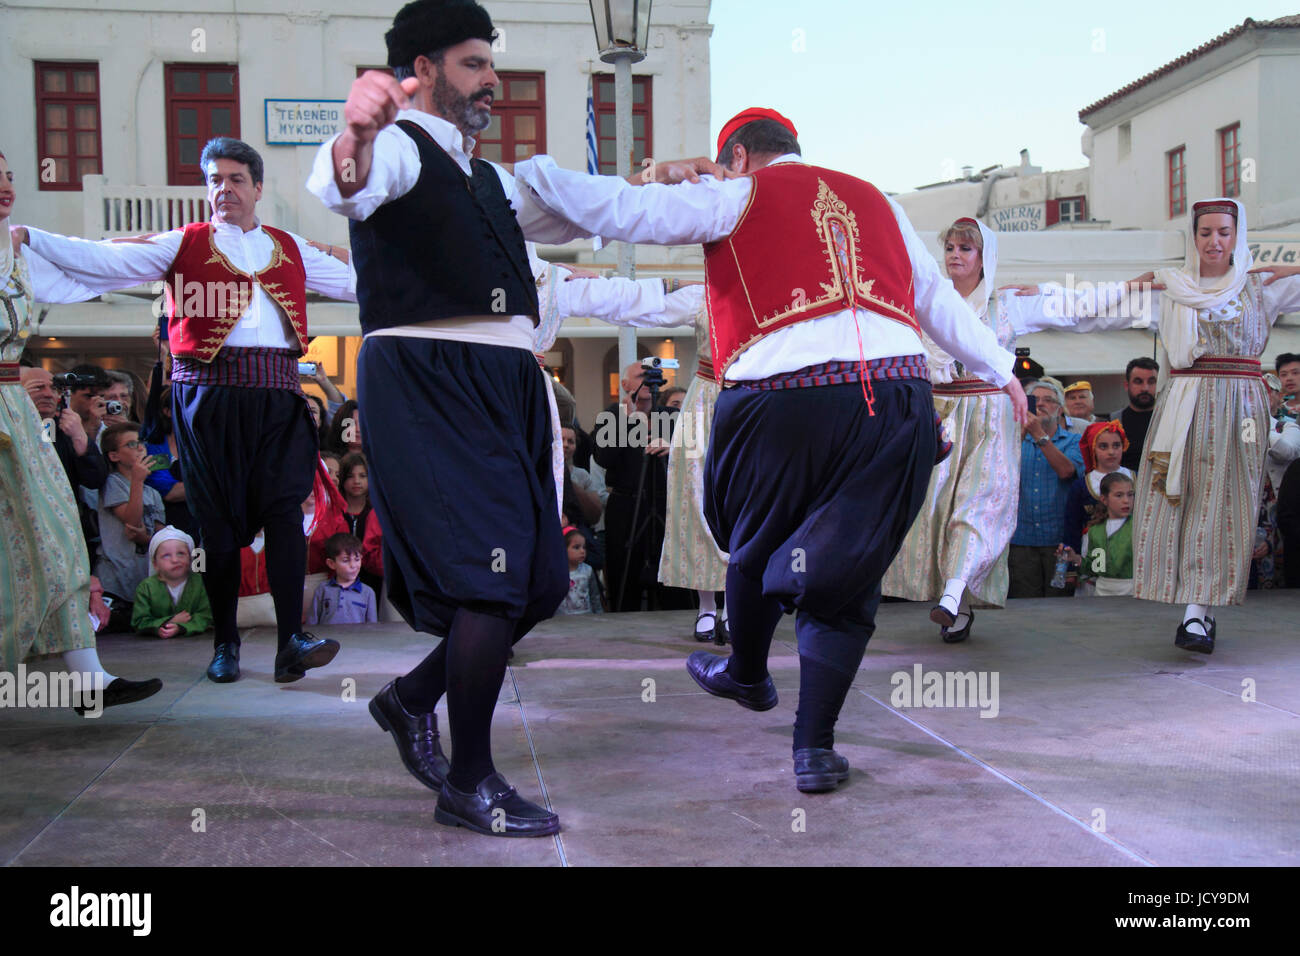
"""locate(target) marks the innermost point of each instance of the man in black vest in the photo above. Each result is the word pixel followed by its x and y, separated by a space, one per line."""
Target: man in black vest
pixel 461 477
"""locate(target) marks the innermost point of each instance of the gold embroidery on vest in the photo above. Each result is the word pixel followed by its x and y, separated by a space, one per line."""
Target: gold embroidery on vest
pixel 224 325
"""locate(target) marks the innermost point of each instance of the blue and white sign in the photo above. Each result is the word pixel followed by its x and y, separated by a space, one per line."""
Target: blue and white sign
pixel 302 122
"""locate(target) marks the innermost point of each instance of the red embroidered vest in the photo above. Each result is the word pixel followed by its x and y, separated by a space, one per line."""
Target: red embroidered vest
pixel 811 242
pixel 206 295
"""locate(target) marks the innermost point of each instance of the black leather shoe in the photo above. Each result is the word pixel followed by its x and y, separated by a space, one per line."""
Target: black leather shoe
pixel 1192 641
pixel 817 770
pixel 495 809
pixel 303 652
pixel 416 736
pixel 119 691
pixel 225 664
pixel 710 672
pixel 956 637
pixel 705 636
pixel 721 636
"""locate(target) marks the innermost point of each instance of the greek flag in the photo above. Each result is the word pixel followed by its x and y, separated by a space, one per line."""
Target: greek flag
pixel 593 154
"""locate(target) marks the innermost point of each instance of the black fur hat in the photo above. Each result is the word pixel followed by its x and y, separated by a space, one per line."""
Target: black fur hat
pixel 425 26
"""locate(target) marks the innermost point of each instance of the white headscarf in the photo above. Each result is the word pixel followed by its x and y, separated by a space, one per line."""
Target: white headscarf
pixel 1183 298
pixel 943 367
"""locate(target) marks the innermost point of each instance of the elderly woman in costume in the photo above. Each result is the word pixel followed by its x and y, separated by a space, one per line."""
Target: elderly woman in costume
pixel 956 551
pixel 44 568
pixel 1198 489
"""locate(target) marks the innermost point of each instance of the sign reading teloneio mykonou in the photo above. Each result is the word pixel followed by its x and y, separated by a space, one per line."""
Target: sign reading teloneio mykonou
pixel 302 122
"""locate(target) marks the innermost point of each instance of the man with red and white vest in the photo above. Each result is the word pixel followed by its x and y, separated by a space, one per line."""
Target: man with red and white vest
pixel 235 293
pixel 825 434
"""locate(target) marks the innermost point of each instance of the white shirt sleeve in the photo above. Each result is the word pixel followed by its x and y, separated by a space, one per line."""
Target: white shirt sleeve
pixel 1285 448
pixel 1281 297
pixel 326 274
pixel 52 285
pixel 1100 307
pixel 613 208
pixel 106 266
pixel 615 299
pixel 946 317
pixel 394 169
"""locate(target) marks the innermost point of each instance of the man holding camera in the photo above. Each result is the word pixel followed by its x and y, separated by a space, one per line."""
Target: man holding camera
pixel 237 324
pixel 632 440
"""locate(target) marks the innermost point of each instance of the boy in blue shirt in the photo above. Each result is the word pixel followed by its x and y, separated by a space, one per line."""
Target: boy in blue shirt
pixel 342 598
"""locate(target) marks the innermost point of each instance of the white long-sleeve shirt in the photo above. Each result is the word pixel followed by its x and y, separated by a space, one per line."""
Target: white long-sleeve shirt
pixel 708 211
pixel 107 266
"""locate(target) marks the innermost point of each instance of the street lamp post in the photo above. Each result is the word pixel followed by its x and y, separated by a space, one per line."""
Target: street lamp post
pixel 622 32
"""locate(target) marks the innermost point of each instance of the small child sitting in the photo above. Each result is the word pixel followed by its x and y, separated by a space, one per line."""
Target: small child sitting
pixel 171 601
pixel 343 599
pixel 584 589
pixel 1107 556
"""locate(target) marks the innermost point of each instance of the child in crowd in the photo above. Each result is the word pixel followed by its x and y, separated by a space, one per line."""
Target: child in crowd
pixel 354 482
pixel 331 460
pixel 1107 545
pixel 171 601
pixel 130 512
pixel 343 599
pixel 584 590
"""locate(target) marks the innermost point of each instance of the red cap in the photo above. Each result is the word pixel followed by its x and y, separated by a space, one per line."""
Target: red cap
pixel 748 116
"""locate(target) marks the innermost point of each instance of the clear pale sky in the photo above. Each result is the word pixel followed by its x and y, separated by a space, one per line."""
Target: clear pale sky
pixel 907 94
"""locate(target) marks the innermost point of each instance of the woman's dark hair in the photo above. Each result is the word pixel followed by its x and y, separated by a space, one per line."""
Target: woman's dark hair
pixel 323 432
pixel 1097 513
pixel 334 440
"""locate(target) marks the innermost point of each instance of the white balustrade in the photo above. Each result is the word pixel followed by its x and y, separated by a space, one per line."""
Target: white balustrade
pixel 113 210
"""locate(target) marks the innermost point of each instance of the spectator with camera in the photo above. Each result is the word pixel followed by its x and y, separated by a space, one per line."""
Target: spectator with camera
pixel 130 513
pixel 81 458
pixel 632 442
pixel 1050 461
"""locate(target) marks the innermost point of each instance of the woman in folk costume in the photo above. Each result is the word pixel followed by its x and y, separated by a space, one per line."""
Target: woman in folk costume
pixel 691 558
pixel 44 568
pixel 956 551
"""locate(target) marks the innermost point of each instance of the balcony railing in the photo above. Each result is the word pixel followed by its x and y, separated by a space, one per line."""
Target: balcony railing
pixel 112 210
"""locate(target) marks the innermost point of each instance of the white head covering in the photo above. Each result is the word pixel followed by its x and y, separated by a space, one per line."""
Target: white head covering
pixel 978 300
pixel 1183 297
pixel 168 533
pixel 6 252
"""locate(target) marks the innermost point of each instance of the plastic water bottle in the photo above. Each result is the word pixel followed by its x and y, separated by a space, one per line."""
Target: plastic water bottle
pixel 1058 573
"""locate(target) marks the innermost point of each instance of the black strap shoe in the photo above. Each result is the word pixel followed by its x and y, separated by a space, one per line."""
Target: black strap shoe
pixel 416 737
pixel 118 691
pixel 817 770
pixel 705 636
pixel 225 664
pixel 951 636
pixel 710 672
pixel 494 809
pixel 721 636
pixel 1202 642
pixel 303 652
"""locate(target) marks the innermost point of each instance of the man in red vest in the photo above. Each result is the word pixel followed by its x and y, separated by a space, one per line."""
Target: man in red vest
pixel 825 433
pixel 235 294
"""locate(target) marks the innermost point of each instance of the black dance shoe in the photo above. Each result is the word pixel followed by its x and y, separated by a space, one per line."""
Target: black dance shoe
pixel 710 672
pixel 705 636
pixel 225 663
pixel 119 691
pixel 1191 641
pixel 494 809
pixel 303 652
pixel 721 636
pixel 416 737
pixel 817 770
pixel 956 637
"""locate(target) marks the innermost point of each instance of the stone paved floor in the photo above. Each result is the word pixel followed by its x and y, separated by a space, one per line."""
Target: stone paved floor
pixel 1110 747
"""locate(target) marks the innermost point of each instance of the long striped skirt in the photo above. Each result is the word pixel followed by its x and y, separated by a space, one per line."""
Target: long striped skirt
pixel 44 570
pixel 691 558
pixel 966 524
pixel 1198 551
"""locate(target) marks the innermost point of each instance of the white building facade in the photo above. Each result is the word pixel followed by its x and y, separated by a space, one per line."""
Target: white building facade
pixel 127 95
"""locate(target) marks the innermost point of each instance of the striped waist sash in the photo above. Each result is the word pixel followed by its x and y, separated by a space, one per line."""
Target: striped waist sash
pixel 9 374
pixel 705 370
pixel 966 386
pixel 893 368
pixel 1222 366
pixel 241 368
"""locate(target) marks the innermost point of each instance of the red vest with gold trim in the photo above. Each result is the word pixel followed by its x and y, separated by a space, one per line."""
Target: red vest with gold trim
pixel 206 294
pixel 811 242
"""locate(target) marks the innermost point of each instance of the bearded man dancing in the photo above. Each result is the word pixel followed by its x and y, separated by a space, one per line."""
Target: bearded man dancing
pixel 825 433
